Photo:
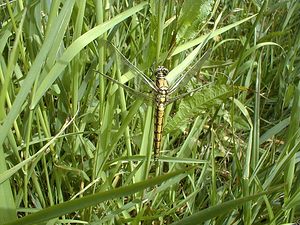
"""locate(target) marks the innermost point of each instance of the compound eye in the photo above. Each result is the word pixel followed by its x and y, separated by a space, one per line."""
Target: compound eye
pixel 161 71
pixel 165 71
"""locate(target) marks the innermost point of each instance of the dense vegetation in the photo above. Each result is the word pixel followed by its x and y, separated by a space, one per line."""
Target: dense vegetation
pixel 76 148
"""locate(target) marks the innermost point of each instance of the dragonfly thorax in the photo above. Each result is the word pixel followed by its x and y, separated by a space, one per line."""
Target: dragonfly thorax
pixel 161 82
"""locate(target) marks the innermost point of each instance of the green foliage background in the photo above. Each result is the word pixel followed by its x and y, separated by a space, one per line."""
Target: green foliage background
pixel 230 153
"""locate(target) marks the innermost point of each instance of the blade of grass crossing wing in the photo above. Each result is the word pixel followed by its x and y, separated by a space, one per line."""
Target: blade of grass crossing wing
pixel 127 88
pixel 182 81
pixel 121 58
pixel 173 74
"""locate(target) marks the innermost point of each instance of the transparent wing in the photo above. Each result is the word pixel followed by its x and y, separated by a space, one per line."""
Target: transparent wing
pixel 127 88
pixel 173 99
pixel 181 81
pixel 130 66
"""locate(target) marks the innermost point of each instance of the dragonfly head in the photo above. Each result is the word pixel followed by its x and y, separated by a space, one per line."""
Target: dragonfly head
pixel 161 72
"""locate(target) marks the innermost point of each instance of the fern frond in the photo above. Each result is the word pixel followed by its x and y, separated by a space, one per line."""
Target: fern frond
pixel 195 105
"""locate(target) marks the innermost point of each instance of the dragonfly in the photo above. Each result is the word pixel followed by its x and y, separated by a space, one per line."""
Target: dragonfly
pixel 161 90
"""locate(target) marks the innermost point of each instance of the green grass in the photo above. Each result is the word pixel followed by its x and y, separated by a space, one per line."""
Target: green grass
pixel 76 148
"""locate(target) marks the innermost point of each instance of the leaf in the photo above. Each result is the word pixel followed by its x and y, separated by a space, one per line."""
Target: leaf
pixel 191 16
pixel 8 173
pixel 202 38
pixel 92 200
pixel 220 209
pixel 193 106
pixel 175 73
pixel 35 70
pixel 274 130
pixel 294 201
pixel 79 44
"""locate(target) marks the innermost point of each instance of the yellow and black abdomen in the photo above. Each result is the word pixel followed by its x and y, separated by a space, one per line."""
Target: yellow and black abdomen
pixel 161 102
pixel 158 128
